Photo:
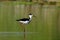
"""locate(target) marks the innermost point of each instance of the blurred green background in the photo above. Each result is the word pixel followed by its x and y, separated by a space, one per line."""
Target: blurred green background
pixel 45 26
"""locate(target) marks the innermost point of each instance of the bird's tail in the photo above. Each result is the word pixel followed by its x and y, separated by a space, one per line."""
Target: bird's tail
pixel 17 20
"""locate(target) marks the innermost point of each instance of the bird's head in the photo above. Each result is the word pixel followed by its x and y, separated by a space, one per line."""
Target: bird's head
pixel 30 15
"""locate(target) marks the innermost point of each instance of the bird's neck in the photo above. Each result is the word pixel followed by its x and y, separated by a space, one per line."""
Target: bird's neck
pixel 30 19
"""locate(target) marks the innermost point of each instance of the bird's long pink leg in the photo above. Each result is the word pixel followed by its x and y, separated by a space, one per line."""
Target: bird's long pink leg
pixel 24 30
pixel 24 33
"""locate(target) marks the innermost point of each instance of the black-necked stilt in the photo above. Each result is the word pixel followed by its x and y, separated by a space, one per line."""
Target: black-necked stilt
pixel 25 20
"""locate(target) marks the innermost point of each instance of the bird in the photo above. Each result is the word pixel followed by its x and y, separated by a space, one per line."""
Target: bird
pixel 25 20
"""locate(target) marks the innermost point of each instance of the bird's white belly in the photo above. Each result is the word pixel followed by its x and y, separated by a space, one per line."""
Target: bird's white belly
pixel 24 22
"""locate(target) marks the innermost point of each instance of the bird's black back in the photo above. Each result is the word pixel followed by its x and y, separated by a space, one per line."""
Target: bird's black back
pixel 24 19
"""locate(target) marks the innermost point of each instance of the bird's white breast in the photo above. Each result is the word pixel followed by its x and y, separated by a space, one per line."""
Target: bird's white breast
pixel 24 22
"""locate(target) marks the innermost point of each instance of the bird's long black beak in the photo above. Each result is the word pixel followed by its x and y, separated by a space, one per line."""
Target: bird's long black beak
pixel 34 15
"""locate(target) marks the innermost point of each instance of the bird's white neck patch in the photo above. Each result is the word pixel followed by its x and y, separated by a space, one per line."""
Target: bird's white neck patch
pixel 30 16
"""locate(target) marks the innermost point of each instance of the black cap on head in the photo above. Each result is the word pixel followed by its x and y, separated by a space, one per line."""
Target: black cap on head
pixel 30 14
